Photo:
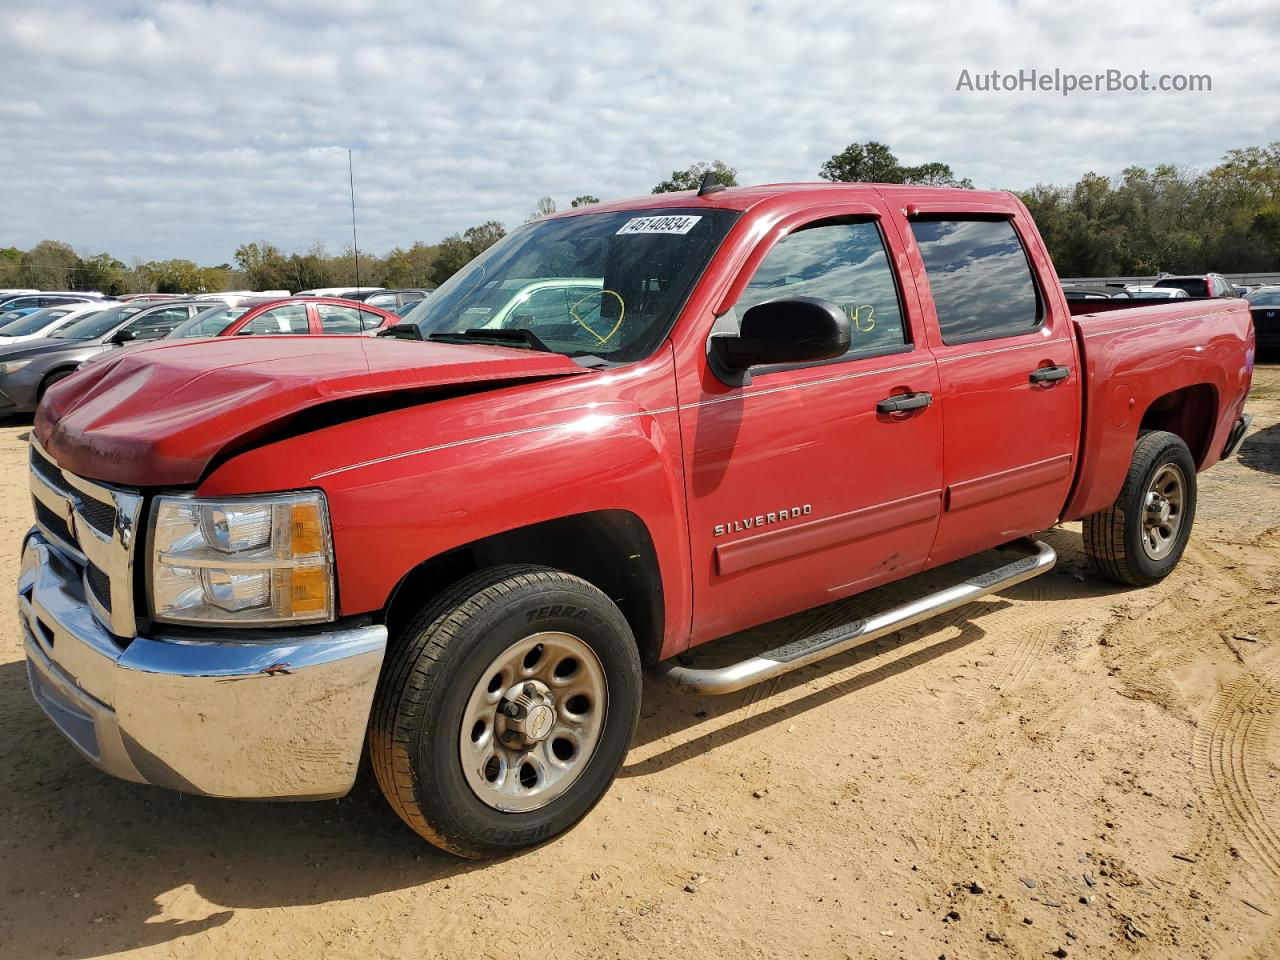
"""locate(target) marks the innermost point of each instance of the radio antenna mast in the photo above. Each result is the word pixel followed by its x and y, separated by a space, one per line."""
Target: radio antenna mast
pixel 355 243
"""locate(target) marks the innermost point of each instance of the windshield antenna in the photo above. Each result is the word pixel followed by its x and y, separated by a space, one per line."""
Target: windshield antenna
pixel 709 184
pixel 355 244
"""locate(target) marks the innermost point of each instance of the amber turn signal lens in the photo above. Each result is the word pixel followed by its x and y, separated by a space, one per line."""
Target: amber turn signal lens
pixel 308 590
pixel 306 529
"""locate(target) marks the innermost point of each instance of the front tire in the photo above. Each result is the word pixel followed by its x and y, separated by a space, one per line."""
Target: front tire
pixel 1140 538
pixel 505 710
pixel 49 381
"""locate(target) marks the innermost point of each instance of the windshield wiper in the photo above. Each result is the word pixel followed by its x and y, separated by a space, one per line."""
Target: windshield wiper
pixel 519 337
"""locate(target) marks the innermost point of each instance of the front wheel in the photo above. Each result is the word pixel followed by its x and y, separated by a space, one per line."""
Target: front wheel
pixel 1140 538
pixel 505 710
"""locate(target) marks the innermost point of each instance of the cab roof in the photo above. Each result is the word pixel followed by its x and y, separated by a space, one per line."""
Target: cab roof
pixel 743 198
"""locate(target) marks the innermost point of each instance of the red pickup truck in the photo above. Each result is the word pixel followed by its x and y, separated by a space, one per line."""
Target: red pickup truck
pixel 618 433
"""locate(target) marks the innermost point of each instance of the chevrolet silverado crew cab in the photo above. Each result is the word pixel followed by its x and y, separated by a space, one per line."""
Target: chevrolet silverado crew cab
pixel 256 560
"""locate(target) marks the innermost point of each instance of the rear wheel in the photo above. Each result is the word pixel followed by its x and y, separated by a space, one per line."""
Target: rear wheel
pixel 505 710
pixel 1140 538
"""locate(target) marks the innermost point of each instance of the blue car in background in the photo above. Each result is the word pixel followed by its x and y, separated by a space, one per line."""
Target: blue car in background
pixel 13 307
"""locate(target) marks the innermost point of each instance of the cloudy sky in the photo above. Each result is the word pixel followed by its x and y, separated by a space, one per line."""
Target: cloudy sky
pixel 181 129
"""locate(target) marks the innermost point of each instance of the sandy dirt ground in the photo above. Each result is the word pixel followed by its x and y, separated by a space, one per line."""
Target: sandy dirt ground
pixel 1068 766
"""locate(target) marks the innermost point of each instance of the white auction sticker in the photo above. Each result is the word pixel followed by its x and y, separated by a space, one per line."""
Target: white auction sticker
pixel 676 224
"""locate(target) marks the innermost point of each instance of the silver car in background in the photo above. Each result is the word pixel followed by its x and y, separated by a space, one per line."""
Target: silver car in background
pixel 28 369
pixel 42 323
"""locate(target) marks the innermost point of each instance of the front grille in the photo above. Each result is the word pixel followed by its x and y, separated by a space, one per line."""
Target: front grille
pixel 53 523
pixel 100 584
pixel 47 470
pixel 101 516
pixel 91 524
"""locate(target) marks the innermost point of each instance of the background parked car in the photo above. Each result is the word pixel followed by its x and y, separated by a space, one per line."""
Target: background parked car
pixel 1264 305
pixel 13 307
pixel 42 323
pixel 393 299
pixel 1082 291
pixel 28 369
pixel 343 293
pixel 1200 285
pixel 1163 293
pixel 310 315
pixel 404 310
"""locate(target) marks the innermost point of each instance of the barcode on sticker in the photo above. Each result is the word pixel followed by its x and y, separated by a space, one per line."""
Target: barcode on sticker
pixel 681 224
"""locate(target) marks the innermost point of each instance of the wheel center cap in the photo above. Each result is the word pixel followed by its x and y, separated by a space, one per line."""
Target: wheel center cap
pixel 1158 508
pixel 528 713
pixel 539 722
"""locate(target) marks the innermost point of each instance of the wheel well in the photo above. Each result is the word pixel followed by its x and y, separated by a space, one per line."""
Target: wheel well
pixel 610 549
pixel 1190 412
pixel 49 374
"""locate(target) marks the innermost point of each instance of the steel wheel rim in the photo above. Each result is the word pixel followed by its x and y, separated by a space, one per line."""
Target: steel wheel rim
pixel 549 751
pixel 1163 507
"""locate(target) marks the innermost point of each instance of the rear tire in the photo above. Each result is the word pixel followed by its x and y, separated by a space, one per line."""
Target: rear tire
pixel 440 741
pixel 1140 538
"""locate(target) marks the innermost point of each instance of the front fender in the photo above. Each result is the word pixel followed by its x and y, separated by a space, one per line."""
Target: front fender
pixel 432 478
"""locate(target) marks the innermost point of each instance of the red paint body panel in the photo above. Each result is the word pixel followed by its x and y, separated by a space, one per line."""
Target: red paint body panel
pixel 759 500
pixel 1132 358
pixel 158 415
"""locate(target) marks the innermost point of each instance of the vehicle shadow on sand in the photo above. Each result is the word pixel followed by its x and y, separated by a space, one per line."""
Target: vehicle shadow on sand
pixel 668 712
pixel 1261 450
pixel 106 866
pixel 90 865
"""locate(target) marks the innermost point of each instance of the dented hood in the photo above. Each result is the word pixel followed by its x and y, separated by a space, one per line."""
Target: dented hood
pixel 158 415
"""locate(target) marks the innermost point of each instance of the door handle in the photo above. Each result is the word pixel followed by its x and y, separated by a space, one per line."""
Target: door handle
pixel 1049 374
pixel 904 402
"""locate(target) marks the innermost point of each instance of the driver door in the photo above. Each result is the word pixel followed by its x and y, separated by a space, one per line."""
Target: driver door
pixel 799 490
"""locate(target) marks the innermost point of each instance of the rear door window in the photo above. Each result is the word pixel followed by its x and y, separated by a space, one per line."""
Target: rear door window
pixel 157 323
pixel 980 279
pixel 846 264
pixel 286 318
pixel 335 319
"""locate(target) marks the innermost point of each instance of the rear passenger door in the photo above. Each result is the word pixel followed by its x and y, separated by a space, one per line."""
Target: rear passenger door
pixel 1010 385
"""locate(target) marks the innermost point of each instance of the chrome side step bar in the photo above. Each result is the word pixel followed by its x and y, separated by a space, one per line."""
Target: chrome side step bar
pixel 828 643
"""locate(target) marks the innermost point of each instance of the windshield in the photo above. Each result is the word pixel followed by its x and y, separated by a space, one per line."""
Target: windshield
pixel 1263 298
pixel 33 322
pixel 207 323
pixel 97 324
pixel 593 285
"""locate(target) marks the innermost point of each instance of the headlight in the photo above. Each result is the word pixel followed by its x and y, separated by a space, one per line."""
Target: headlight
pixel 13 366
pixel 255 560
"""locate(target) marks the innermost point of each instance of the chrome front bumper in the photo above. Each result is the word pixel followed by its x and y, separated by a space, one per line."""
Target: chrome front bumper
pixel 228 716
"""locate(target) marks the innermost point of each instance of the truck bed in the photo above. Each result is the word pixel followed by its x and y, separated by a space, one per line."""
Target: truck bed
pixel 1138 364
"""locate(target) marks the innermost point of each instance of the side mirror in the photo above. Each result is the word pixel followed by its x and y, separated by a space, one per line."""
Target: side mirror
pixel 122 336
pixel 401 331
pixel 786 330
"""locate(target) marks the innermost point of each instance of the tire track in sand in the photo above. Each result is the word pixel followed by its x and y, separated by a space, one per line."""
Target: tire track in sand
pixel 1231 752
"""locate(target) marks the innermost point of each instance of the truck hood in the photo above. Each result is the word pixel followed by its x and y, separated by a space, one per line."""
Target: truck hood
pixel 160 414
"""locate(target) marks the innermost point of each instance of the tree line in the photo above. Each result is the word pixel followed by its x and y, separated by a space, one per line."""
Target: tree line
pixel 1142 221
